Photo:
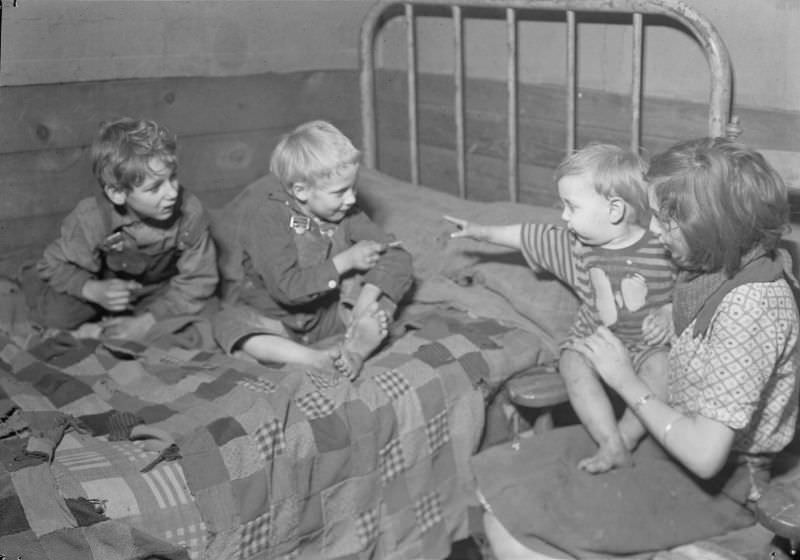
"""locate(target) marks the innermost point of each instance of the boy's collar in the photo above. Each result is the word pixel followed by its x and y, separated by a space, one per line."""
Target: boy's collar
pixel 299 221
pixel 122 216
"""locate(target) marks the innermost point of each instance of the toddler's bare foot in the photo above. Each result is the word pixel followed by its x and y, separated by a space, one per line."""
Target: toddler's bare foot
pixel 607 458
pixel 364 335
pixel 629 441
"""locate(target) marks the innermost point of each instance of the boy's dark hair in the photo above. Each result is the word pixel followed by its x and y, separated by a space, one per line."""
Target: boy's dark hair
pixel 725 198
pixel 123 148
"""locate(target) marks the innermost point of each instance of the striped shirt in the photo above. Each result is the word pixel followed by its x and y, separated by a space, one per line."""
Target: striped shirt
pixel 617 288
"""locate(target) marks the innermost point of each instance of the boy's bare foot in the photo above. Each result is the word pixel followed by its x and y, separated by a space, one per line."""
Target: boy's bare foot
pixel 364 335
pixel 607 458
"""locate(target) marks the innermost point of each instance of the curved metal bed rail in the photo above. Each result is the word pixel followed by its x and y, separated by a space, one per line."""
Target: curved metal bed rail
pixel 704 32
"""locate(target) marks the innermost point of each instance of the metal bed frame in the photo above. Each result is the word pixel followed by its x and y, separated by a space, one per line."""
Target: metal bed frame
pixel 719 103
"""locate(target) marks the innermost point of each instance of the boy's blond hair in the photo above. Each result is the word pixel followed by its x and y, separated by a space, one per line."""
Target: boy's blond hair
pixel 615 171
pixel 123 149
pixel 314 150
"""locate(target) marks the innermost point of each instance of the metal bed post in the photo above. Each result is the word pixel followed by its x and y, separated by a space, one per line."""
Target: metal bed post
pixel 460 113
pixel 411 51
pixel 572 77
pixel 513 150
pixel 366 79
pixel 636 86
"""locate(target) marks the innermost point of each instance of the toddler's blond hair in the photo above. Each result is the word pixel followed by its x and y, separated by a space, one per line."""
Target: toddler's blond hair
pixel 615 171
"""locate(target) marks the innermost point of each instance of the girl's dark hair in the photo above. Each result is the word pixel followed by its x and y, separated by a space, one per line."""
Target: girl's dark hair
pixel 725 198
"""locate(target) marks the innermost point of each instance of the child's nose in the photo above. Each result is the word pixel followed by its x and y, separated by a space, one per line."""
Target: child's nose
pixel 172 189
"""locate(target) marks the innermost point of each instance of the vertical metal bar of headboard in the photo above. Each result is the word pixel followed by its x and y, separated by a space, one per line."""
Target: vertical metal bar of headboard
pixel 571 80
pixel 411 53
pixel 706 34
pixel 367 84
pixel 513 151
pixel 636 86
pixel 458 78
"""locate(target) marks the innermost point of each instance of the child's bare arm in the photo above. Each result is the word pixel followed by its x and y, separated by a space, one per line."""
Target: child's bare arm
pixel 507 236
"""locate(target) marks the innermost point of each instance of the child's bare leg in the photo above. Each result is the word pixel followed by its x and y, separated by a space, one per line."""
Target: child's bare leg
pixel 363 336
pixel 653 372
pixel 275 348
pixel 591 404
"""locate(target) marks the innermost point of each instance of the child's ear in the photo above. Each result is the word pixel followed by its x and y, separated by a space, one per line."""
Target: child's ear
pixel 116 195
pixel 300 191
pixel 616 210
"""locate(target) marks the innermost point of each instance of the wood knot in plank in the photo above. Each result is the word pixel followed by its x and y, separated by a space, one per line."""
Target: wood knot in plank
pixel 42 132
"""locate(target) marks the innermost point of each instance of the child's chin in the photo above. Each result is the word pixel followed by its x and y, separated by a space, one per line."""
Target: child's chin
pixel 336 218
pixel 164 219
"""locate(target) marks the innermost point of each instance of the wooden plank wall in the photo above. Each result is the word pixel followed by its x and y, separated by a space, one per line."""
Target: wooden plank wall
pixel 227 128
pixel 602 117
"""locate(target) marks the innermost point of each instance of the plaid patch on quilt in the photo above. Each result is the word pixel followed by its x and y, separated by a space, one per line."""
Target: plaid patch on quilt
pixel 275 462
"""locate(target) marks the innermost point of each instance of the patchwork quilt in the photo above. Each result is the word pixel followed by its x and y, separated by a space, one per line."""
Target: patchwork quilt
pixel 121 451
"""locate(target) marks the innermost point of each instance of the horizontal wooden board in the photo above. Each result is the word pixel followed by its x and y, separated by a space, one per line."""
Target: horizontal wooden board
pixel 664 120
pixel 540 141
pixel 61 41
pixel 228 126
pixel 30 234
pixel 60 116
pixel 206 162
pixel 487 176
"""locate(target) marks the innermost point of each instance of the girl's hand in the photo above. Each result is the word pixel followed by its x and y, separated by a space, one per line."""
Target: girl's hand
pixel 608 355
pixel 465 229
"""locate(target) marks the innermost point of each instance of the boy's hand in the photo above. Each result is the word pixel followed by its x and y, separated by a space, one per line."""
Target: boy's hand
pixel 361 256
pixel 657 327
pixel 128 328
pixel 465 229
pixel 113 294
